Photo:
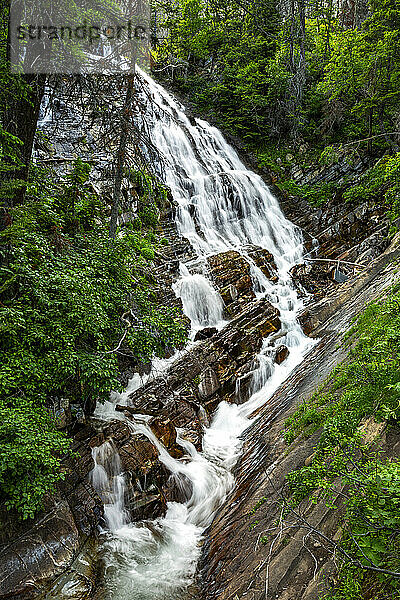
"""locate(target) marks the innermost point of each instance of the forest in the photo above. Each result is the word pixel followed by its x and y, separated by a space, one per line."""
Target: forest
pixel 307 91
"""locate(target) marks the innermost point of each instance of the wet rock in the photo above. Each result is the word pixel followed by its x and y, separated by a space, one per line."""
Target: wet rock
pixel 144 474
pixel 86 507
pixel 118 432
pixel 281 354
pixel 42 552
pixel 338 276
pixel 208 372
pixel 165 432
pixel 306 321
pixel 314 278
pixel 179 488
pixel 147 506
pixel 243 387
pixel 127 365
pixel 73 586
pixel 232 548
pixel 138 455
pixel 205 334
pixel 79 581
pixel 231 273
pixel 231 294
pixel 209 383
pixel 264 260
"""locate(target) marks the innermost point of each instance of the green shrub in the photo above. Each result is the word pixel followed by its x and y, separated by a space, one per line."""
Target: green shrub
pixel 64 288
pixel 316 195
pixel 30 449
pixel 380 183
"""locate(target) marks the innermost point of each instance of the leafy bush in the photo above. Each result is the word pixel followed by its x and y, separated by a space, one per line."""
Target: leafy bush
pixel 317 195
pixel 382 181
pixel 30 449
pixel 64 290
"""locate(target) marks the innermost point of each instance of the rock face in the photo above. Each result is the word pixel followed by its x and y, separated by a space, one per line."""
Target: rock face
pixel 207 373
pixel 205 334
pixel 246 554
pixel 34 553
pixel 54 540
pixel 314 278
pixel 231 273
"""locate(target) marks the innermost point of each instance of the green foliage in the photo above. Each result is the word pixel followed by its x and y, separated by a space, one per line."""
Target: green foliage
pixel 231 73
pixel 363 70
pixel 242 67
pixel 10 161
pixel 149 216
pixel 382 181
pixel 367 385
pixel 371 536
pixel 316 195
pixel 30 449
pixel 64 288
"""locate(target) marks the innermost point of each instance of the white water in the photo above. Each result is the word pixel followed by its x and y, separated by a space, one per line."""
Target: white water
pixel 201 302
pixel 221 206
pixel 108 480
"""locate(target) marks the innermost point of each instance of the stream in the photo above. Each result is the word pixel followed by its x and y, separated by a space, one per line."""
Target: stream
pixel 221 205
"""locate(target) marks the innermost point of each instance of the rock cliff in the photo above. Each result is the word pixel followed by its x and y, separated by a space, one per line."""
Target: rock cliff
pixel 248 553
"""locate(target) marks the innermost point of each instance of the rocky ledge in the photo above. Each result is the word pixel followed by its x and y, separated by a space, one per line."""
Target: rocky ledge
pixel 246 554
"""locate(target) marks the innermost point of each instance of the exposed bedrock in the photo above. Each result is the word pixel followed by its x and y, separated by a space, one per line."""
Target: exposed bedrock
pixel 206 374
pixel 33 553
pixel 245 554
pixel 231 273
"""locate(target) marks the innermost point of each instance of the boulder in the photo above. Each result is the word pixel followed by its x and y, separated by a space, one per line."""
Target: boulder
pixel 281 354
pixel 205 334
pixel 306 321
pixel 231 273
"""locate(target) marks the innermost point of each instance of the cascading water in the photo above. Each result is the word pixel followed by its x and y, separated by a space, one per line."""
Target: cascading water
pixel 221 206
pixel 109 482
pixel 201 302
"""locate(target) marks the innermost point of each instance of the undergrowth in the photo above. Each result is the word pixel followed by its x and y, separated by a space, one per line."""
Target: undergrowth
pixel 72 304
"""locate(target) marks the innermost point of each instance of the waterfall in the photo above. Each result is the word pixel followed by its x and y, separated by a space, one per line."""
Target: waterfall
pixel 201 302
pixel 108 481
pixel 221 206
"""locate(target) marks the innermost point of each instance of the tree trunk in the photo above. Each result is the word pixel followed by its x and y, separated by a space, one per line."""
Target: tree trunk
pixel 21 113
pixel 121 153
